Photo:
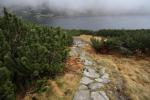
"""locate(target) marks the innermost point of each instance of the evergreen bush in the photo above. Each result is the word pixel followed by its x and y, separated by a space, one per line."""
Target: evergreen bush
pixel 132 40
pixel 29 51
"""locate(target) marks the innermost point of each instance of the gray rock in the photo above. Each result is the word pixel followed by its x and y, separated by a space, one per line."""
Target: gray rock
pixel 82 95
pixel 102 80
pixel 104 95
pixel 89 72
pixel 86 81
pixel 83 87
pixel 95 86
pixel 105 76
pixel 97 96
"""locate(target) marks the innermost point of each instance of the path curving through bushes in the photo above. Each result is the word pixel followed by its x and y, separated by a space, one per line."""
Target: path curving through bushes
pixel 94 76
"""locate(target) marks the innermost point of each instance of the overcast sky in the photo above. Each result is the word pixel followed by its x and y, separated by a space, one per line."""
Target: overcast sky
pixel 98 7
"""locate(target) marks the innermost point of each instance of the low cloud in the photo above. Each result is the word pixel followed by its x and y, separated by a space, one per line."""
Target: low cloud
pixel 88 7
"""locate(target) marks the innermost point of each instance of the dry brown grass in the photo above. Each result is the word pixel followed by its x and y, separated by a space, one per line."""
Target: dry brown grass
pixel 64 86
pixel 134 71
pixel 88 37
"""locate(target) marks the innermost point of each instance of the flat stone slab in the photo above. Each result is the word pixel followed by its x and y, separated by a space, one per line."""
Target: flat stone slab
pixel 95 86
pixel 98 96
pixel 102 80
pixel 83 87
pixel 82 95
pixel 104 95
pixel 89 72
pixel 86 81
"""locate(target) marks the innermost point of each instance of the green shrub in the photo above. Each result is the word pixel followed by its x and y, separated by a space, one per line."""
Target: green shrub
pixel 6 86
pixel 40 86
pixel 100 46
pixel 133 40
pixel 30 51
pixel 96 44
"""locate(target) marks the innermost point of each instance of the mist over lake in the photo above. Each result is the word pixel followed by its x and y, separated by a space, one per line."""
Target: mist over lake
pixel 110 14
pixel 99 22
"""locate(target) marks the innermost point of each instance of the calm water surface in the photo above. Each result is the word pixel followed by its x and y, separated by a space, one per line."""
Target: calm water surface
pixel 101 22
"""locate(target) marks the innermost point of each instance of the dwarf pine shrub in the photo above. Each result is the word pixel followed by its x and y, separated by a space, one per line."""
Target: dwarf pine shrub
pixel 29 51
pixel 96 44
pixel 133 40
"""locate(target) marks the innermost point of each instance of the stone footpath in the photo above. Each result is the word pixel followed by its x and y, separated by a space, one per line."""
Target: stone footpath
pixel 94 76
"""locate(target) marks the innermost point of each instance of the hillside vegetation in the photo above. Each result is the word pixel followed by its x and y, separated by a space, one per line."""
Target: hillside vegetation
pixel 28 52
pixel 127 42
